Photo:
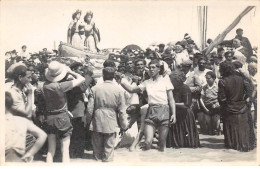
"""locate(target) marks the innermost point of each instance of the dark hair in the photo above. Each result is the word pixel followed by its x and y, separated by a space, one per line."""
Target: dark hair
pixel 226 68
pixel 178 76
pixel 109 63
pixel 212 74
pixel 198 55
pixel 239 29
pixel 87 70
pixel 108 73
pixel 227 53
pixel 209 40
pixel 19 71
pixel 75 65
pixel 8 100
pixel 220 49
pixel 237 64
pixel 89 13
pixel 162 45
pixel 75 14
pixel 201 58
pixel 154 55
pixel 138 60
pixel 157 63
pixel 24 46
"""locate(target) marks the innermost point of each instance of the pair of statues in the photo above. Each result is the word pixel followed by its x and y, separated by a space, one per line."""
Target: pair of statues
pixel 83 35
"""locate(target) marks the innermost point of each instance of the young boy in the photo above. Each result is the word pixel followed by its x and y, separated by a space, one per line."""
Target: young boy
pixel 210 105
pixel 15 135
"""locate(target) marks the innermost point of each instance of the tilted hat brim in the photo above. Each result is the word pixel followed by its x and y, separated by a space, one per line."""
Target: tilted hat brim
pixel 58 77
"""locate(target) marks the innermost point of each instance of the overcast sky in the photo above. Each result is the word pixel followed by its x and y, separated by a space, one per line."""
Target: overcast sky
pixel 39 24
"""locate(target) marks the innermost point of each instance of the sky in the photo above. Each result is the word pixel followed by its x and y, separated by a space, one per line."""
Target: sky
pixel 40 24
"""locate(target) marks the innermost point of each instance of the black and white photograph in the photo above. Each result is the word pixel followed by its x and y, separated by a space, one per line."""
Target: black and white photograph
pixel 136 83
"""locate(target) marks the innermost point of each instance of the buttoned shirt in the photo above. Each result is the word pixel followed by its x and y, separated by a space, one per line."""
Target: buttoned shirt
pixel 19 99
pixel 109 102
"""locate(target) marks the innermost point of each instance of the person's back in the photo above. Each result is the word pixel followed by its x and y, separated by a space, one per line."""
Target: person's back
pixel 234 88
pixel 16 129
pixel 55 96
pixel 107 95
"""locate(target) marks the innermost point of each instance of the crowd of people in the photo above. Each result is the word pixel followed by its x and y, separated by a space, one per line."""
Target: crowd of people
pixel 173 92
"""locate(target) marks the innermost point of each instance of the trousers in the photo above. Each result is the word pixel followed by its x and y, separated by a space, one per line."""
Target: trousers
pixel 103 145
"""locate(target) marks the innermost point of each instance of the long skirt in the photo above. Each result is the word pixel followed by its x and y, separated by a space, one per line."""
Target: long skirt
pixel 90 43
pixel 236 131
pixel 184 132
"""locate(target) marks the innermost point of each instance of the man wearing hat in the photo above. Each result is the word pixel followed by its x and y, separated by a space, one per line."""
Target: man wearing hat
pixel 244 41
pixel 57 115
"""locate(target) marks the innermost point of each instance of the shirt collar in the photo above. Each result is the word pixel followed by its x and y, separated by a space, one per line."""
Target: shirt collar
pixel 108 81
pixel 213 86
pixel 160 76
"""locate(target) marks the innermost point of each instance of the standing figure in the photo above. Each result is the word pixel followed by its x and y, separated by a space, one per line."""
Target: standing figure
pixel 107 105
pixel 58 119
pixel 244 41
pixel 78 39
pixel 184 132
pixel 231 97
pixel 161 110
pixel 91 32
pixel 73 26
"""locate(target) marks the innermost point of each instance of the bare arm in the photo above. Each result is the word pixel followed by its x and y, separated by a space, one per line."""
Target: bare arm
pixel 129 88
pixel 41 138
pixel 203 105
pixel 78 78
pixel 172 106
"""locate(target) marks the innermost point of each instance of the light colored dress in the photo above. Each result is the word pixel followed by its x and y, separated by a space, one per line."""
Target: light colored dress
pixel 78 40
pixel 90 40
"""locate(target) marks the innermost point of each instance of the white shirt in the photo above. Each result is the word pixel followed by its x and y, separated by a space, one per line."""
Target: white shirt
pixel 24 54
pixel 181 57
pixel 200 76
pixel 240 56
pixel 157 89
pixel 15 133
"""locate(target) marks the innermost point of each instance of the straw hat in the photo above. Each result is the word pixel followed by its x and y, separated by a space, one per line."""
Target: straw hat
pixel 55 71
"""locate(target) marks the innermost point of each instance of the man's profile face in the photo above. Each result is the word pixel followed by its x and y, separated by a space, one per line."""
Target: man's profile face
pixel 27 78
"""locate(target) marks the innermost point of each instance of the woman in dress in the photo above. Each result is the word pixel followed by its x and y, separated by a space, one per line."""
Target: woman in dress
pixel 91 32
pixel 78 39
pixel 161 110
pixel 73 26
pixel 58 120
pixel 231 96
pixel 184 132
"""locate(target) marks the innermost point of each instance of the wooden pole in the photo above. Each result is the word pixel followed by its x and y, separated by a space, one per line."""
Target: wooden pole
pixel 221 36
